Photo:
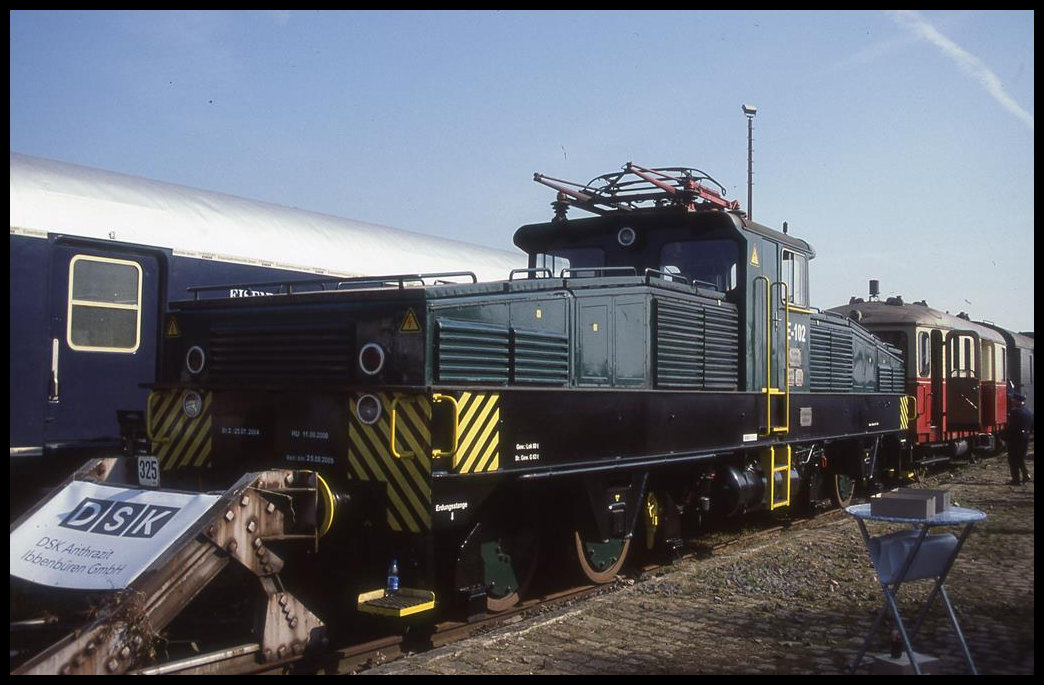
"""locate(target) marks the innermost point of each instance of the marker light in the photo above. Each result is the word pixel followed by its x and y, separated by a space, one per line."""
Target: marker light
pixel 195 359
pixel 371 359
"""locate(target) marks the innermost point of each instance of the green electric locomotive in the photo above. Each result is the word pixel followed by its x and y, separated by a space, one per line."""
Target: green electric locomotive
pixel 657 363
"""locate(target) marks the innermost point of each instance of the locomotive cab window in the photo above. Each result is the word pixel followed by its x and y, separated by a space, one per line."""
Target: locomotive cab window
pixel 707 262
pixel 104 313
pixel 570 258
pixel 794 272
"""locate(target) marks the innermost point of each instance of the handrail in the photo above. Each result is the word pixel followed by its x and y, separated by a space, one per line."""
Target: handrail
pixel 599 271
pixel 784 291
pixel 769 389
pixel 531 272
pixel 333 282
pixel 666 275
pixel 436 399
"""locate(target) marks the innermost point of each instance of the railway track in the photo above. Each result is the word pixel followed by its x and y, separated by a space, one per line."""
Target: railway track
pixel 725 539
pixel 359 654
pixel 244 659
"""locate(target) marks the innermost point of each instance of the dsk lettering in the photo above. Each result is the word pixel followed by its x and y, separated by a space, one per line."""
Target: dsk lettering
pixel 121 519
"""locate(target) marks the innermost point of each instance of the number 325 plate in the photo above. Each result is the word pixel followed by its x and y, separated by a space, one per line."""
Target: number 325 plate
pixel 148 471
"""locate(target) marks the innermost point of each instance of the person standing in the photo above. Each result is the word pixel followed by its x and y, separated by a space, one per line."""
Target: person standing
pixel 1020 426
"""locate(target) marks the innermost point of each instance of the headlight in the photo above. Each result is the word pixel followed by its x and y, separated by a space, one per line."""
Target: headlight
pixel 195 359
pixel 368 409
pixel 371 359
pixel 192 404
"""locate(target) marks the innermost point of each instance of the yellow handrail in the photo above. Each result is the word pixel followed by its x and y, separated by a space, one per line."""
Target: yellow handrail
pixel 435 399
pixel 785 471
pixel 769 390
pixel 784 292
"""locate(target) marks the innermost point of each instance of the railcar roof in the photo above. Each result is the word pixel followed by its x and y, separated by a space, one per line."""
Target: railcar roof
pixel 534 234
pixel 56 197
pixel 1020 340
pixel 883 313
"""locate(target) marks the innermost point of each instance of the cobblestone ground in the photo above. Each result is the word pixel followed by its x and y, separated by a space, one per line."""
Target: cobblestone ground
pixel 798 603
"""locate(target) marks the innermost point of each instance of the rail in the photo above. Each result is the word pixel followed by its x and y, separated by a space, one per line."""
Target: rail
pixel 288 287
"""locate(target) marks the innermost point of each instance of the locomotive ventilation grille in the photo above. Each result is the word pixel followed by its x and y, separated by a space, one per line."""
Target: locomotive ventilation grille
pixel 696 346
pixel 294 351
pixel 830 359
pixel 889 379
pixel 472 352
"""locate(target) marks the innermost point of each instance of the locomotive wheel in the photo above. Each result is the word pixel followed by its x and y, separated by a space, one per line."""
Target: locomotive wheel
pixel 509 561
pixel 601 561
pixel 841 489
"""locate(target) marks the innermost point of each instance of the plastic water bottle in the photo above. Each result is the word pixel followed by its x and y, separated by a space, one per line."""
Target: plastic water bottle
pixel 393 578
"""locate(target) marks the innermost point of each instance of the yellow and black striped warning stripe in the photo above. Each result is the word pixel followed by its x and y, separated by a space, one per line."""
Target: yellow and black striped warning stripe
pixel 179 441
pixel 906 402
pixel 408 475
pixel 478 431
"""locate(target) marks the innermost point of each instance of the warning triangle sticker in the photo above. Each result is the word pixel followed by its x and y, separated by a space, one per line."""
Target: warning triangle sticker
pixel 409 323
pixel 172 328
pixel 754 256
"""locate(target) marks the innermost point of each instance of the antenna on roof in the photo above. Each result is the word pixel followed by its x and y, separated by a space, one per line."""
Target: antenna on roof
pixel 750 111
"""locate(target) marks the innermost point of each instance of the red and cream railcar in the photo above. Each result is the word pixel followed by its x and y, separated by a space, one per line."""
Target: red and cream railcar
pixel 956 370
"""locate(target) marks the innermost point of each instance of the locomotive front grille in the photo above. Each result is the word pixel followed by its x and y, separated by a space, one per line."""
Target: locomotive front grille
pixel 321 352
pixel 472 352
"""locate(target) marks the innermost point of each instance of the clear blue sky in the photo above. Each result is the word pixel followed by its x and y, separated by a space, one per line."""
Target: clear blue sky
pixel 900 144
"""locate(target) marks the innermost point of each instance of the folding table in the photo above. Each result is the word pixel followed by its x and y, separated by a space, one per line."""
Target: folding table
pixel 914 554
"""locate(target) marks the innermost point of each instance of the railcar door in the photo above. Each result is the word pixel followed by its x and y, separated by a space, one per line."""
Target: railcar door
pixel 963 398
pixel 104 304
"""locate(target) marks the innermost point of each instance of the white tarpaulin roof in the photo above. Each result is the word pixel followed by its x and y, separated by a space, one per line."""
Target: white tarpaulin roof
pixel 56 197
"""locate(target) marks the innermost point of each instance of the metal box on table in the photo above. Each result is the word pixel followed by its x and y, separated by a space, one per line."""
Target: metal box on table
pixel 904 503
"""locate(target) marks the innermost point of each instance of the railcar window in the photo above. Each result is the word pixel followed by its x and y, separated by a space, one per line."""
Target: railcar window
pixel 924 354
pixel 571 258
pixel 794 272
pixel 711 262
pixel 104 312
pixel 988 362
pixel 962 360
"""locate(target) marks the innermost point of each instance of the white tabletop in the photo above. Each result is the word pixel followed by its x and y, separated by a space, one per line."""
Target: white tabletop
pixel 952 516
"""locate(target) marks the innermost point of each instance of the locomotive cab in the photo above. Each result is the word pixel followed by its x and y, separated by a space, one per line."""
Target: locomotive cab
pixel 666 226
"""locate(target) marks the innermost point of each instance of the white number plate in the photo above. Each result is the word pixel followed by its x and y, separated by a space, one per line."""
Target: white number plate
pixel 148 471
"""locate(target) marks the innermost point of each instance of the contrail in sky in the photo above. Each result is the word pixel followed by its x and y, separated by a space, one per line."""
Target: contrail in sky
pixel 971 64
